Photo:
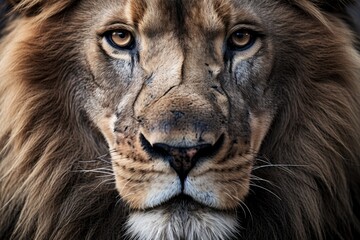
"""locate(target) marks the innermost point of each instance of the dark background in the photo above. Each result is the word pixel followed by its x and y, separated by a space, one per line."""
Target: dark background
pixel 354 12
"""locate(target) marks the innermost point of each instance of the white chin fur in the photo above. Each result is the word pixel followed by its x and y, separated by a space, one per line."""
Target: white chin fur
pixel 181 223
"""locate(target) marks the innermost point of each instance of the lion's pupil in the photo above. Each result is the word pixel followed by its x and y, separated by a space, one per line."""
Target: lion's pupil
pixel 121 38
pixel 242 38
pixel 121 34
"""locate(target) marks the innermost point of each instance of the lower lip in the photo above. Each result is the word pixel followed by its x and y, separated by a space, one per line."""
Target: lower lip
pixel 185 201
pixel 180 202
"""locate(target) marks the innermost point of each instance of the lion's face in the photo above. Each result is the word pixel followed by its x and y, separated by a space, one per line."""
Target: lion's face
pixel 180 92
pixel 214 119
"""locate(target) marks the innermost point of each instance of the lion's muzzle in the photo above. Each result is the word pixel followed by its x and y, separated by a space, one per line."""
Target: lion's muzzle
pixel 181 146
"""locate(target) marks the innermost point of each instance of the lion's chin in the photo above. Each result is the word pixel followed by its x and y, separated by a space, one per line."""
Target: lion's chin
pixel 181 218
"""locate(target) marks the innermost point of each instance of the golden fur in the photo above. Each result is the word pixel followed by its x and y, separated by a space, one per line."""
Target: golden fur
pixel 95 140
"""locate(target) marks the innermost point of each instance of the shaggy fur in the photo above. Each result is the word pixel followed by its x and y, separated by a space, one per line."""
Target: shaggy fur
pixel 54 155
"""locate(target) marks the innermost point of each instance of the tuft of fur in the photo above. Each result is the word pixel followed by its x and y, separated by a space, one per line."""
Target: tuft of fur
pixel 162 225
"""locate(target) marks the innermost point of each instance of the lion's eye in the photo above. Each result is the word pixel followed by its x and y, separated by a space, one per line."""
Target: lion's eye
pixel 120 39
pixel 242 40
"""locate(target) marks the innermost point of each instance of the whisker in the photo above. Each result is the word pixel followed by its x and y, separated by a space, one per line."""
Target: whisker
pixel 248 209
pixel 278 165
pixel 256 178
pixel 108 173
pixel 237 199
pixel 104 160
pixel 107 170
pixel 265 189
pixel 88 161
pixel 262 160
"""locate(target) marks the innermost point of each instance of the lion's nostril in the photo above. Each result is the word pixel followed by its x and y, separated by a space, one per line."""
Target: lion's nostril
pixel 182 159
pixel 184 153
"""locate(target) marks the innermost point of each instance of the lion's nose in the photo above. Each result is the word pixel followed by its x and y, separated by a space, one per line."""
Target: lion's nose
pixel 182 159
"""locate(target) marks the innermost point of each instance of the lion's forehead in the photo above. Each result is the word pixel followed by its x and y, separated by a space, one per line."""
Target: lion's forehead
pixel 182 17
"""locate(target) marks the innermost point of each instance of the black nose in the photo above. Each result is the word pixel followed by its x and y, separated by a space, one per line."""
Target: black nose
pixel 182 159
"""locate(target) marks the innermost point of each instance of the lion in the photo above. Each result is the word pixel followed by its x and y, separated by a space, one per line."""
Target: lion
pixel 184 119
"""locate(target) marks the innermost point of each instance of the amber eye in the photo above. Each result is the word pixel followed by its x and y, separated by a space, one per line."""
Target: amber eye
pixel 242 40
pixel 120 39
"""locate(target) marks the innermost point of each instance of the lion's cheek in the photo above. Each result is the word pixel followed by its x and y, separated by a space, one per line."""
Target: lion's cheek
pixel 259 124
pixel 105 121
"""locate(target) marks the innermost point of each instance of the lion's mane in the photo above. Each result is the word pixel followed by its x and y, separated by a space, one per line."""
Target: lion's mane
pixel 46 138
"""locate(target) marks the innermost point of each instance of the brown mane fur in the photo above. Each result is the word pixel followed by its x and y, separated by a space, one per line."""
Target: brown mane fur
pixel 46 139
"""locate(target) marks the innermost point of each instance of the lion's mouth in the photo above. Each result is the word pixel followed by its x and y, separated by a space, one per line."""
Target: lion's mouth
pixel 181 202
